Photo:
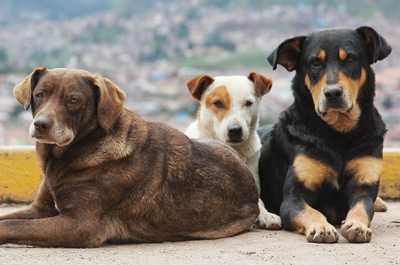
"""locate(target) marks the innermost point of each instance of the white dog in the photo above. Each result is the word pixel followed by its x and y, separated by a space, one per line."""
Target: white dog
pixel 229 112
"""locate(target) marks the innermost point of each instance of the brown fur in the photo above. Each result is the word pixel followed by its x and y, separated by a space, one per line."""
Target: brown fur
pixel 314 225
pixel 340 121
pixel 356 226
pixel 316 89
pixel 322 55
pixel 262 84
pixel 313 173
pixel 220 94
pixel 366 170
pixel 342 54
pixel 198 85
pixel 135 181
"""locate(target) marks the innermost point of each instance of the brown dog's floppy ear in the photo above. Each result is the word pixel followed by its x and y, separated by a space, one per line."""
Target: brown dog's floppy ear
pixel 198 85
pixel 287 54
pixel 23 90
pixel 378 48
pixel 110 102
pixel 262 84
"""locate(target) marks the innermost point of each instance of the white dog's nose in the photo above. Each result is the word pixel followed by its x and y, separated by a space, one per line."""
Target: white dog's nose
pixel 235 132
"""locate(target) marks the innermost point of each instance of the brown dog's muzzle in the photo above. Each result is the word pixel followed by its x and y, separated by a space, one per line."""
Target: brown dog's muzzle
pixel 45 128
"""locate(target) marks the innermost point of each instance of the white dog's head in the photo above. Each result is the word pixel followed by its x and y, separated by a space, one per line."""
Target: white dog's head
pixel 229 104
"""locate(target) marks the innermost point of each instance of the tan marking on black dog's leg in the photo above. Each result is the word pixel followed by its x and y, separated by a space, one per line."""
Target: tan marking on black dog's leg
pixel 57 231
pixel 42 206
pixel 380 205
pixel 314 226
pixel 356 227
pixel 366 170
pixel 313 173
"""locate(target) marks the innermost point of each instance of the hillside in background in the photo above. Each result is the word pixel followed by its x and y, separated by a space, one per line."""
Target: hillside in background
pixel 150 48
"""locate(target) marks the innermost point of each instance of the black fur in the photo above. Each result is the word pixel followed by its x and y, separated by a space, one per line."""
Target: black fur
pixel 301 131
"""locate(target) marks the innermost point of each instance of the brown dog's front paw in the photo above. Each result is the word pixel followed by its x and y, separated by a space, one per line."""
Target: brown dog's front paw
pixel 356 232
pixel 322 233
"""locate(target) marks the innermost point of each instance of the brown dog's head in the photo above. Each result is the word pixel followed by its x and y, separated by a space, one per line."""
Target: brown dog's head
pixel 333 67
pixel 68 103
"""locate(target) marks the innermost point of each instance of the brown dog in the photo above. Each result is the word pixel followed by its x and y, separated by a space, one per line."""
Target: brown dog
pixel 111 176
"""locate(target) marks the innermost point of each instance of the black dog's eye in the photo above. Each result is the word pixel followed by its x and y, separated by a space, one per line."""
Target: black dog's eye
pixel 316 63
pixel 350 58
pixel 248 103
pixel 219 104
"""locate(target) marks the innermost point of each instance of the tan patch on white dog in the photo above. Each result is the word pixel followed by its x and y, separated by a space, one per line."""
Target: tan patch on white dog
pixel 219 102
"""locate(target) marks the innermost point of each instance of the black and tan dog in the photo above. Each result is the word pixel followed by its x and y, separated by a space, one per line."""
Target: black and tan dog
pixel 321 163
pixel 111 176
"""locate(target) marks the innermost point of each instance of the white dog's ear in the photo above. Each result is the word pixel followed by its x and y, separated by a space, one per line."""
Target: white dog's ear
pixel 198 85
pixel 262 84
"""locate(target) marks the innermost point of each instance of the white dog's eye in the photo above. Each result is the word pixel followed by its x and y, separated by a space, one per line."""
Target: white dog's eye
pixel 219 104
pixel 248 103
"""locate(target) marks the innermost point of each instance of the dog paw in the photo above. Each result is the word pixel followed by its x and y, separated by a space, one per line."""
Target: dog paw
pixel 269 221
pixel 322 233
pixel 356 232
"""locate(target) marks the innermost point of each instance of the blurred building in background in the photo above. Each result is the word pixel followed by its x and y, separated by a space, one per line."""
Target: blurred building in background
pixel 151 47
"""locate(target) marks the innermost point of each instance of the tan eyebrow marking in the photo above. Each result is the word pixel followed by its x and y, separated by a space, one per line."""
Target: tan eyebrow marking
pixel 322 55
pixel 342 54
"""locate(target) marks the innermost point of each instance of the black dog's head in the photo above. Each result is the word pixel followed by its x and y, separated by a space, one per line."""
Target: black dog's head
pixel 333 67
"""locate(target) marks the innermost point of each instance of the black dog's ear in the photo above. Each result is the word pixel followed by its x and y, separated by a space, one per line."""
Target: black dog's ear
pixel 287 54
pixel 23 90
pixel 378 48
pixel 198 85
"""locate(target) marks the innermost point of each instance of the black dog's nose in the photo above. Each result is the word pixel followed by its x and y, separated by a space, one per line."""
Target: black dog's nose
pixel 235 132
pixel 333 93
pixel 41 123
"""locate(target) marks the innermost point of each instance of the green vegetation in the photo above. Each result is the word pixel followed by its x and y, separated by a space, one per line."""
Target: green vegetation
pixel 247 59
pixel 54 58
pixel 101 33
pixel 60 9
pixel 3 60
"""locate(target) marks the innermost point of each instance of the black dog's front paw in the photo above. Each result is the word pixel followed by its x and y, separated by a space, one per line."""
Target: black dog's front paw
pixel 322 233
pixel 356 232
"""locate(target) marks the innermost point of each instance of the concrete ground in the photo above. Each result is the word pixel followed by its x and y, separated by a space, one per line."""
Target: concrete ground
pixel 258 247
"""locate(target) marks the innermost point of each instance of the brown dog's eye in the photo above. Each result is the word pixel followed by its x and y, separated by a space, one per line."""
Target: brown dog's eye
pixel 248 103
pixel 39 95
pixel 219 104
pixel 73 100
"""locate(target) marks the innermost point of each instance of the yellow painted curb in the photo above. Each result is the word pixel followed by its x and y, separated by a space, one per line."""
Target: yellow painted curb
pixel 20 174
pixel 390 180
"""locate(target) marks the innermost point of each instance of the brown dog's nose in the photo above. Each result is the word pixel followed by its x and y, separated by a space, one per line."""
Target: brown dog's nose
pixel 42 123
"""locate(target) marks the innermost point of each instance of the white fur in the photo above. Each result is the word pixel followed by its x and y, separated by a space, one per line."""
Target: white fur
pixel 240 89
